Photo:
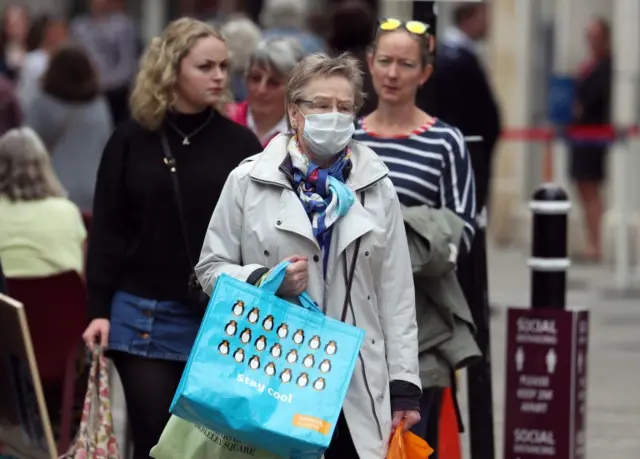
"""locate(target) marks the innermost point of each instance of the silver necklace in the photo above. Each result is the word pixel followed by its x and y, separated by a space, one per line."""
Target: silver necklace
pixel 185 140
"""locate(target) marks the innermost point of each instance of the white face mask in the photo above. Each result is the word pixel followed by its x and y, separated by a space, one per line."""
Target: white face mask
pixel 327 134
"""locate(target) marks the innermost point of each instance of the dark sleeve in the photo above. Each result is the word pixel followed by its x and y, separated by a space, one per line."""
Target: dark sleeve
pixel 405 396
pixel 108 240
pixel 463 98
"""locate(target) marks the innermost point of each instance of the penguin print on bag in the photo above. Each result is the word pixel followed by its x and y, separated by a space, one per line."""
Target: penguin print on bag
pixel 303 380
pixel 261 343
pixel 292 356
pixel 254 316
pixel 325 366
pixel 238 308
pixel 283 331
pixel 331 348
pixel 231 328
pixel 276 351
pixel 267 324
pixel 285 376
pixel 319 384
pixel 270 369
pixel 239 355
pixel 298 337
pixel 245 336
pixel 223 348
pixel 254 362
pixel 308 361
pixel 314 343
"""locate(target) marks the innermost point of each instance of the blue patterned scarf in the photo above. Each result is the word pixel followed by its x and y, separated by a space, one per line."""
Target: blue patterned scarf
pixel 322 192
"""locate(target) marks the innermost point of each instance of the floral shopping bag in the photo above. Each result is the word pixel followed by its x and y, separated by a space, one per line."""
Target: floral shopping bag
pixel 96 438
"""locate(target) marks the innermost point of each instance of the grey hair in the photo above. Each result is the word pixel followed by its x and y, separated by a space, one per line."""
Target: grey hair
pixel 281 54
pixel 283 14
pixel 26 173
pixel 320 65
pixel 242 36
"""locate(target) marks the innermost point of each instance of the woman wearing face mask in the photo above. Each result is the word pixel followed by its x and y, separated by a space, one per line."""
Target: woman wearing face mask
pixel 160 178
pixel 325 203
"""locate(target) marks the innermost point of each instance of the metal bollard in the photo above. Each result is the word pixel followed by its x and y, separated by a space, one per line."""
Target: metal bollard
pixel 549 261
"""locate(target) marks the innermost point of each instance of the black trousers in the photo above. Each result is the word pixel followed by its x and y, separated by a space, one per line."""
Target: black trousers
pixel 341 446
pixel 149 386
pixel 427 428
pixel 472 274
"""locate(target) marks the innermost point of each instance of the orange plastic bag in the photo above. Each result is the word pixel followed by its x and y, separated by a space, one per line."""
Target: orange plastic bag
pixel 407 445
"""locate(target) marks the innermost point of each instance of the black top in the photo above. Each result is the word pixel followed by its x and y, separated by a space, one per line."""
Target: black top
pixel 136 244
pixel 462 97
pixel 593 94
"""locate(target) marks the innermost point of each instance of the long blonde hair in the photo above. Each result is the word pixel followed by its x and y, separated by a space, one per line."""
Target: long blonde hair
pixel 154 90
pixel 26 173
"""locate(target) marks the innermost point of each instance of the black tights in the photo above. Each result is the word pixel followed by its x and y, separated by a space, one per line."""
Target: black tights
pixel 149 386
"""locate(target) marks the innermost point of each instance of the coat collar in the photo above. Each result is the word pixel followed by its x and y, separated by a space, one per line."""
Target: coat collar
pixel 367 168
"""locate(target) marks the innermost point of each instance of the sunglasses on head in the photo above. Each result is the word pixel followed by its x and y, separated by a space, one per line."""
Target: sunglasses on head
pixel 415 27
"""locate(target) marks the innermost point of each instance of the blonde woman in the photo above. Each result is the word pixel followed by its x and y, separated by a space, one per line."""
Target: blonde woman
pixel 41 231
pixel 146 235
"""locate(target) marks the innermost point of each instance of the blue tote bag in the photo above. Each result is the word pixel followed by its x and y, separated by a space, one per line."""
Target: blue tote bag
pixel 266 371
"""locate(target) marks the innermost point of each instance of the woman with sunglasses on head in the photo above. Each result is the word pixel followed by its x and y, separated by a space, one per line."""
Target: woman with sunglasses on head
pixel 428 160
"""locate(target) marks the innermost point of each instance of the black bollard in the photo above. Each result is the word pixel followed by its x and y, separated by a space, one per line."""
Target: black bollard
pixel 549 261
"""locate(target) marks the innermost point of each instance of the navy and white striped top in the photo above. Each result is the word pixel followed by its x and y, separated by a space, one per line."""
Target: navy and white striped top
pixel 431 165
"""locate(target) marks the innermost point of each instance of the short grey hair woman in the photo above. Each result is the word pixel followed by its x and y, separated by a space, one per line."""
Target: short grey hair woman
pixel 346 244
pixel 270 66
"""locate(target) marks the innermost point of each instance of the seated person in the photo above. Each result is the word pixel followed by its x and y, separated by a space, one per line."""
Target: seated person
pixel 41 231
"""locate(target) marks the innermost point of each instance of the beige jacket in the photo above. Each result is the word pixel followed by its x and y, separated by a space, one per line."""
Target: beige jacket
pixel 259 221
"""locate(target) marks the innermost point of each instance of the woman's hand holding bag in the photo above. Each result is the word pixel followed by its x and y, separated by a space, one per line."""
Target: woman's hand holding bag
pixel 407 445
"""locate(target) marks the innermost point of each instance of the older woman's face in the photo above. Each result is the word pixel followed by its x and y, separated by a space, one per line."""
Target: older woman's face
pixel 203 73
pixel 396 67
pixel 322 95
pixel 266 92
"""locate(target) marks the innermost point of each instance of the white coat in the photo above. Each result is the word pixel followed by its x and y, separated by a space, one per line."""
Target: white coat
pixel 259 221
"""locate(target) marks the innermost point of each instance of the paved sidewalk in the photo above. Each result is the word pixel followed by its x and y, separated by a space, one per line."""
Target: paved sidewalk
pixel 613 416
pixel 614 362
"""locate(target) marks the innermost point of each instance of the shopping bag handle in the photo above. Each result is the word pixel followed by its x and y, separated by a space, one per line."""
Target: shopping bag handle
pixel 274 280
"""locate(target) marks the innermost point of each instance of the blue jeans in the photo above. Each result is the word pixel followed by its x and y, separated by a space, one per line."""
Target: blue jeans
pixel 150 328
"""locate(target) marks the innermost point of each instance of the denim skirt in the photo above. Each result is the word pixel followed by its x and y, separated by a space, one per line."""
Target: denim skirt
pixel 150 328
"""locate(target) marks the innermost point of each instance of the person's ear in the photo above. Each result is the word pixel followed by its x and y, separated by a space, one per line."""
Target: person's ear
pixel 370 61
pixel 426 74
pixel 292 112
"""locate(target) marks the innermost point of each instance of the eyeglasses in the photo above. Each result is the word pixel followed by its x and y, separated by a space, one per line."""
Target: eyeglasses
pixel 415 27
pixel 327 105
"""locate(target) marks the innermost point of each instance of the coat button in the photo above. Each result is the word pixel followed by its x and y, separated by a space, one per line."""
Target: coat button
pixel 278 223
pixel 145 335
pixel 316 258
pixel 266 253
pixel 366 254
pixel 368 297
